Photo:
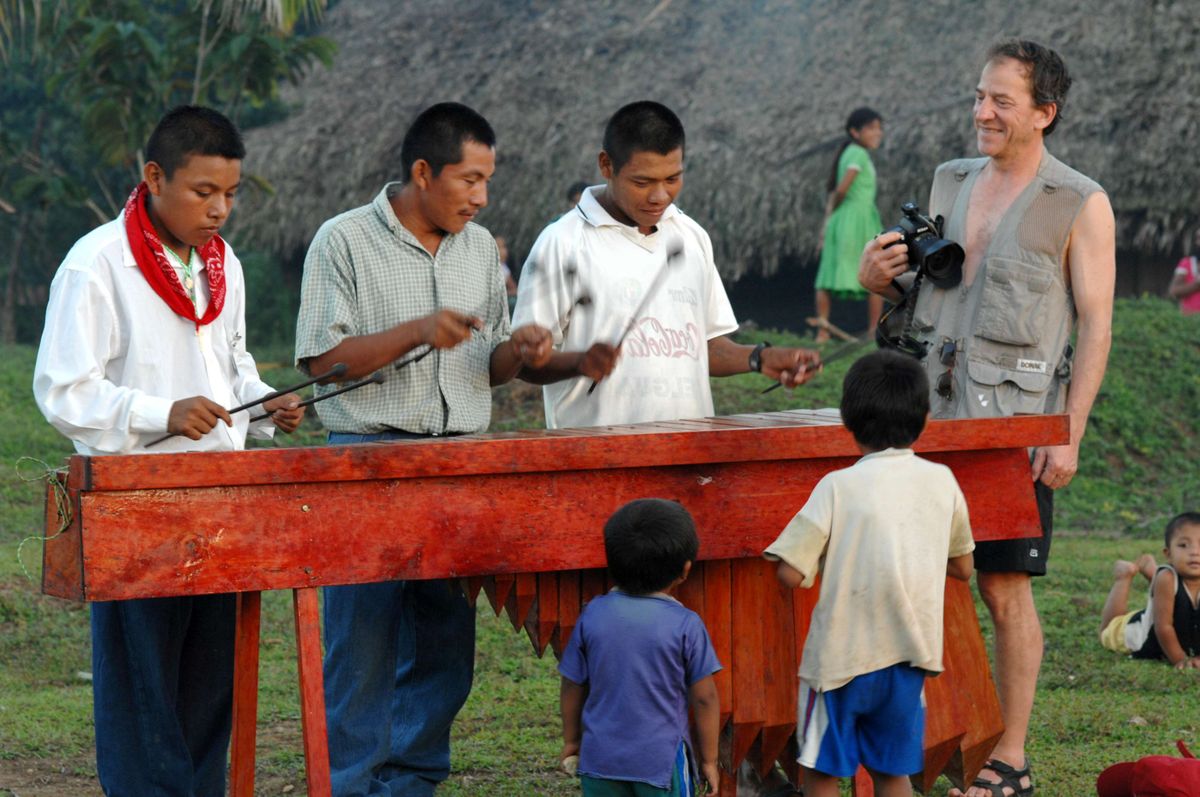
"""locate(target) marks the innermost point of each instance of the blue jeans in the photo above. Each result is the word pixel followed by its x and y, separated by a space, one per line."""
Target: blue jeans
pixel 399 659
pixel 162 682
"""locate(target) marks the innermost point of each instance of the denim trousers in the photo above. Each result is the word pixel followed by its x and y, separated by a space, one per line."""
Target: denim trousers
pixel 162 685
pixel 399 659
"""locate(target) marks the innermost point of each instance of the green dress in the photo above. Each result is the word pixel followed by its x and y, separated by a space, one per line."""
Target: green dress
pixel 855 222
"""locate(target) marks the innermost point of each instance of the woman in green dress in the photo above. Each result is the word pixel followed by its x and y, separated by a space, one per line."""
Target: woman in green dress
pixel 851 219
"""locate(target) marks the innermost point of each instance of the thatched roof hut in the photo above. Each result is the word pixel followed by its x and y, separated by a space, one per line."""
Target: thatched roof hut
pixel 762 87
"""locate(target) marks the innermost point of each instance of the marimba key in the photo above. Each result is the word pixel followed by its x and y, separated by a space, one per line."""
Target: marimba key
pixel 471 587
pixel 568 610
pixel 789 761
pixel 497 589
pixel 750 595
pixel 520 599
pixel 691 592
pixel 543 617
pixel 718 619
pixel 591 585
pixel 779 679
pixel 945 728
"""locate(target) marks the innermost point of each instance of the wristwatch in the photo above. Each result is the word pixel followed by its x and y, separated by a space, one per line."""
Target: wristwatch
pixel 756 356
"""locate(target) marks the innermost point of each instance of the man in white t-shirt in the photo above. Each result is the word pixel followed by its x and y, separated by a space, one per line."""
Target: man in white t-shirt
pixel 649 340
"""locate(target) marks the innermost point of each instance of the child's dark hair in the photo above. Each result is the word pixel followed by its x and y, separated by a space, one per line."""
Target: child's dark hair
pixel 885 400
pixel 858 119
pixel 1178 522
pixel 647 543
pixel 192 130
pixel 437 136
pixel 642 127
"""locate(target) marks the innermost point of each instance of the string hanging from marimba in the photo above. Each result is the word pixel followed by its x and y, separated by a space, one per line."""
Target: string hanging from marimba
pixel 62 504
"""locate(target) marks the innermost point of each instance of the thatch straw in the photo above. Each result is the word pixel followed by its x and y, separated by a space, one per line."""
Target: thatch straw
pixel 762 87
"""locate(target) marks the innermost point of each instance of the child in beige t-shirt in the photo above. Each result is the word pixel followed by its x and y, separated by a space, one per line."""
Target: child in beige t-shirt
pixel 883 534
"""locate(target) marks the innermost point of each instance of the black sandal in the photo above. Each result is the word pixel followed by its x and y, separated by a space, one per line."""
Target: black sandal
pixel 1010 778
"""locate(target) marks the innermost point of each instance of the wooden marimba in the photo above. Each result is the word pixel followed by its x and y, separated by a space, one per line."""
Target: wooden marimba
pixel 518 516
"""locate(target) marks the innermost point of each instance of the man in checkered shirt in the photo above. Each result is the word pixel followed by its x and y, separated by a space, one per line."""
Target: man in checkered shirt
pixel 406 277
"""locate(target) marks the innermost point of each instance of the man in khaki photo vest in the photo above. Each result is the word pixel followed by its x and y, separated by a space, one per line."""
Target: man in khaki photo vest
pixel 1040 261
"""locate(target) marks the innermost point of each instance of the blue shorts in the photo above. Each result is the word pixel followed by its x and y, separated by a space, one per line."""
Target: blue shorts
pixel 877 720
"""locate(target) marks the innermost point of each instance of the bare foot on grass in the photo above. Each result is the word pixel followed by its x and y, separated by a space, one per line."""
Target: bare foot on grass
pixel 1146 566
pixel 1124 569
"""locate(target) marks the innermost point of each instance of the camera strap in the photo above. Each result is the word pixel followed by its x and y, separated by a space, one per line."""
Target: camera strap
pixel 903 342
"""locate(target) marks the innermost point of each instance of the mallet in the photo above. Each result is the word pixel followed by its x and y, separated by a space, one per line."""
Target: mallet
pixel 374 379
pixel 673 256
pixel 337 370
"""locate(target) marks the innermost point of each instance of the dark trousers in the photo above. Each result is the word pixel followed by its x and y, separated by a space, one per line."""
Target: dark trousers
pixel 162 681
pixel 399 658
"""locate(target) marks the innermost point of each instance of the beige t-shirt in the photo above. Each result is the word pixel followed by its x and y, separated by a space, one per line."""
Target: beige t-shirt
pixel 879 533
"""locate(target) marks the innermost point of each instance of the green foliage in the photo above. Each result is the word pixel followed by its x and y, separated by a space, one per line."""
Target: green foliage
pixel 274 301
pixel 1140 459
pixel 744 392
pixel 85 83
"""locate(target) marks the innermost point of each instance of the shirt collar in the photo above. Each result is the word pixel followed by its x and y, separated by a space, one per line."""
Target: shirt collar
pixel 387 215
pixel 888 453
pixel 595 214
pixel 662 596
pixel 129 261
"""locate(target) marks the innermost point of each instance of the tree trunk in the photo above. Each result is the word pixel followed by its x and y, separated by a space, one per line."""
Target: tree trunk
pixel 8 309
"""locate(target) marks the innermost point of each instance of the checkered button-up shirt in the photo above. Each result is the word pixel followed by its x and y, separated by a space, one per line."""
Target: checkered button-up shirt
pixel 366 272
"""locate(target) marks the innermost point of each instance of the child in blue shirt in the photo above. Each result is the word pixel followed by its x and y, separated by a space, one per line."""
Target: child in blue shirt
pixel 635 662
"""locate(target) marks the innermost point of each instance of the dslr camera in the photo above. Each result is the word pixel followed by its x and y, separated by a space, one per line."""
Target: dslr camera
pixel 928 252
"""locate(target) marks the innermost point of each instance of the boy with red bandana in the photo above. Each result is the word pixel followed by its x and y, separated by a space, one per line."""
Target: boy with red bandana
pixel 145 335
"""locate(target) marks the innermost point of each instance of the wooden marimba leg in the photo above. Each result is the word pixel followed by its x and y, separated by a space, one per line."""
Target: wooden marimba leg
pixel 312 692
pixel 245 694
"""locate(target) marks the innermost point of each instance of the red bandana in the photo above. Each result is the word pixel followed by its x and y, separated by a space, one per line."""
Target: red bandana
pixel 152 261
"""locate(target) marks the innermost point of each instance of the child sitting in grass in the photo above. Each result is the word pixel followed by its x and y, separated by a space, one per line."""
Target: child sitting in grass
pixel 636 659
pixel 1169 627
pixel 884 534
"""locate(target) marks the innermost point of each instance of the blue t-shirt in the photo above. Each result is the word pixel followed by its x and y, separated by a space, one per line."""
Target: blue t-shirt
pixel 638 655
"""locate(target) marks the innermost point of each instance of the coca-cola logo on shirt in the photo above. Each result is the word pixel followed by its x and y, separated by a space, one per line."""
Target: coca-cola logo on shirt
pixel 651 338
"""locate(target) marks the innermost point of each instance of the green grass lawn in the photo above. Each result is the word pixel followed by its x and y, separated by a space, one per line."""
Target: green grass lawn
pixel 1141 464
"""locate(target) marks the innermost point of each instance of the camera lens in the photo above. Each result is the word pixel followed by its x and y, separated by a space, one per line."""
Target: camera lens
pixel 943 261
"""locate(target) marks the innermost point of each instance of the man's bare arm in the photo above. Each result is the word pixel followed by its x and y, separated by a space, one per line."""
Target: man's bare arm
pixel 1092 269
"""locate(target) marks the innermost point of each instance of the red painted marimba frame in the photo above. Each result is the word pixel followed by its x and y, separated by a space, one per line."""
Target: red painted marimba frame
pixel 519 516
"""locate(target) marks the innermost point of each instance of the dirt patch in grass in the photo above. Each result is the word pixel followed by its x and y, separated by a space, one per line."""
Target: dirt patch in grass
pixel 46 777
pixel 75 776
